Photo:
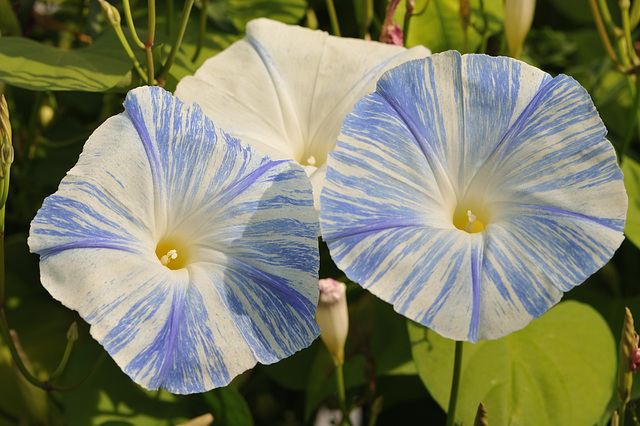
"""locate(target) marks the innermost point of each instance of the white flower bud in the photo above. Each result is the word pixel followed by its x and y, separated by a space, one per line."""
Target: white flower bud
pixel 333 318
pixel 518 16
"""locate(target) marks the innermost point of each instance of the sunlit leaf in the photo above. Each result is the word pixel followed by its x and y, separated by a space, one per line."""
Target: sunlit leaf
pixel 439 28
pixel 558 370
pixel 631 170
pixel 36 66
pixel 239 12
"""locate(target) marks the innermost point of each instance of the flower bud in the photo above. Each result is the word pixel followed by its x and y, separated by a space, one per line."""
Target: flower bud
pixel 333 318
pixel 110 13
pixel 481 416
pixel 518 16
pixel 6 155
pixel 391 31
pixel 6 149
pixel 628 347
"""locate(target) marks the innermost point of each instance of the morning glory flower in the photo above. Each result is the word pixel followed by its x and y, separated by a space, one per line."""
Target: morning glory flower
pixel 191 255
pixel 471 192
pixel 285 89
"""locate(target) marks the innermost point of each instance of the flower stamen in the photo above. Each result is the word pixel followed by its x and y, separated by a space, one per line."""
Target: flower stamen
pixel 472 218
pixel 172 254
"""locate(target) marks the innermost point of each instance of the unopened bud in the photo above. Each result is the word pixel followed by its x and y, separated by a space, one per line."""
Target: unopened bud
pixel 628 346
pixel 481 416
pixel 6 148
pixel 518 16
pixel 110 13
pixel 333 317
pixel 391 31
pixel 72 332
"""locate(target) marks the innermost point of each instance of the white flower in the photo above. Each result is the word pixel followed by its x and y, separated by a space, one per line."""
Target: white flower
pixel 187 251
pixel 285 89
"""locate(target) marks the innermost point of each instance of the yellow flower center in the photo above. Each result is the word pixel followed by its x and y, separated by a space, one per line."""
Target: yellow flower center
pixel 172 253
pixel 467 221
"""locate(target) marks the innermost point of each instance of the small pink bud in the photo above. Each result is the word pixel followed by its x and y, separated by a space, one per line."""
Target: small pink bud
pixel 391 31
pixel 333 317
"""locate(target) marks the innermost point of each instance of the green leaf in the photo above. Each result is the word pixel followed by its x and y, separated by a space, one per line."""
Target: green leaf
pixel 558 370
pixel 228 407
pixel 239 12
pixel 439 28
pixel 109 396
pixel 631 170
pixel 36 66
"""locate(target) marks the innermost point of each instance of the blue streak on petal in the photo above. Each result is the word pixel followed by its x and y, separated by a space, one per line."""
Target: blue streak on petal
pixel 135 112
pixel 477 258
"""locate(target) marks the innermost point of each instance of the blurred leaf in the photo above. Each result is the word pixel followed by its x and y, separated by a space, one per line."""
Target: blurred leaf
pixel 111 397
pixel 439 28
pixel 40 322
pixel 228 407
pixel 558 370
pixel 9 25
pixel 239 12
pixel 36 66
pixel 631 170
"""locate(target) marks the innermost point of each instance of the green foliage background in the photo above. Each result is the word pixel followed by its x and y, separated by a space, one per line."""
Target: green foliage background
pixel 64 72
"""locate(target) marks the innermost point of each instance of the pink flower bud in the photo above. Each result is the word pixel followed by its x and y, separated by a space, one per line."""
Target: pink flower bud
pixel 333 318
pixel 391 31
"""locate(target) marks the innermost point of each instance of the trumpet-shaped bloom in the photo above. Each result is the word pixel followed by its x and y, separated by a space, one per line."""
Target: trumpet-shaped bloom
pixel 471 192
pixel 285 89
pixel 191 255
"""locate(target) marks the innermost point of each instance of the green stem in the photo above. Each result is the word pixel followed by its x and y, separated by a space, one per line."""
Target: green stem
pixel 635 116
pixel 130 54
pixel 170 15
pixel 603 32
pixel 333 17
pixel 626 30
pixel 184 19
pixel 71 338
pixel 130 24
pixel 342 399
pixel 151 34
pixel 407 18
pixel 455 382
pixel 202 28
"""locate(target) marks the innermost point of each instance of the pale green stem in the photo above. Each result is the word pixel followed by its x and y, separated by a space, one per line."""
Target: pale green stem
pixel 202 28
pixel 184 19
pixel 604 33
pixel 129 52
pixel 342 399
pixel 407 19
pixel 455 382
pixel 131 25
pixel 151 34
pixel 65 358
pixel 333 17
pixel 626 29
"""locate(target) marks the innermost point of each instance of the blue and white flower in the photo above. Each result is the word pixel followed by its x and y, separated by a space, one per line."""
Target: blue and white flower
pixel 191 255
pixel 471 192
pixel 285 89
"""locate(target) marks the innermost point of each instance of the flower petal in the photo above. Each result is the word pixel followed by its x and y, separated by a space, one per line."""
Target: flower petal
pixel 527 149
pixel 159 169
pixel 307 82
